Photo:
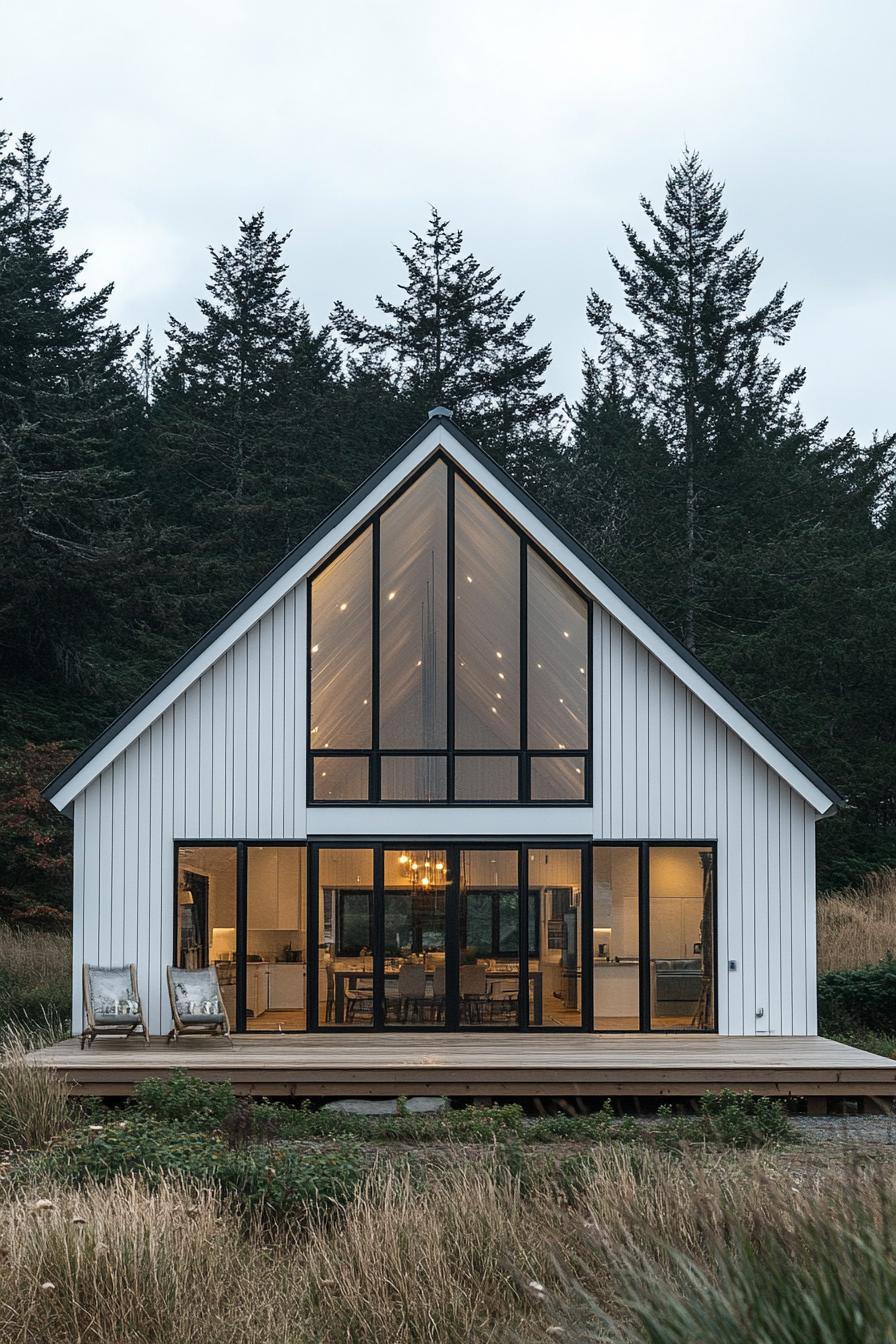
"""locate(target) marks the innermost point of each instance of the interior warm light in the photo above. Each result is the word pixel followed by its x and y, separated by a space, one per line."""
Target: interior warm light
pixel 424 881
pixel 439 867
pixel 402 858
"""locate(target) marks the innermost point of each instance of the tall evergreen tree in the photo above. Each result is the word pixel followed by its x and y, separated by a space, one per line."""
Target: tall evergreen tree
pixel 695 362
pixel 67 404
pixel 243 425
pixel 768 557
pixel 454 339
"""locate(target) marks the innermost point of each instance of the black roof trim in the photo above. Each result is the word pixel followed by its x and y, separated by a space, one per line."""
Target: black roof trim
pixel 336 517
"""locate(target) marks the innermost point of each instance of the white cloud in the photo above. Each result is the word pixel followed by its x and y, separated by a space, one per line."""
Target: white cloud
pixel 533 126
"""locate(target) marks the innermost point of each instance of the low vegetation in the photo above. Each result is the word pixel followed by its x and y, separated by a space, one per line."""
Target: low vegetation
pixel 623 1242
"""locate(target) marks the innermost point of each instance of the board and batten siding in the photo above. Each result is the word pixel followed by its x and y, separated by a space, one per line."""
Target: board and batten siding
pixel 227 761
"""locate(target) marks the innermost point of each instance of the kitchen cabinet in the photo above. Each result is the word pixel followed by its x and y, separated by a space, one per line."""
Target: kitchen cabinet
pixel 256 988
pixel 286 986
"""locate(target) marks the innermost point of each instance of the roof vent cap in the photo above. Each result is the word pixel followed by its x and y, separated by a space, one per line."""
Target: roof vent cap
pixel 443 411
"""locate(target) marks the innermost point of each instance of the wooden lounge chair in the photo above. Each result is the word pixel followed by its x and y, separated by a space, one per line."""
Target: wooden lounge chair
pixel 112 1003
pixel 197 1005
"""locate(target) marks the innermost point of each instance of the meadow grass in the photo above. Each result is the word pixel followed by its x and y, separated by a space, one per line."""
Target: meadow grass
pixel 635 1244
pixel 857 925
pixel 35 980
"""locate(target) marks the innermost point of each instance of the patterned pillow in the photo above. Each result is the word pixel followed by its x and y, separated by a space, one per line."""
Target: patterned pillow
pixel 193 999
pixel 112 994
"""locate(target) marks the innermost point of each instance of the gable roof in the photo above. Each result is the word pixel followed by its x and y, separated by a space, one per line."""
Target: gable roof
pixel 607 591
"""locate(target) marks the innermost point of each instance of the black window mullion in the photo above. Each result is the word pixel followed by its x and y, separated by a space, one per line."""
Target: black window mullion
pixel 453 935
pixel 379 939
pixel 312 953
pixel 374 788
pixel 644 934
pixel 586 952
pixel 524 672
pixel 449 635
pixel 522 886
pixel 241 924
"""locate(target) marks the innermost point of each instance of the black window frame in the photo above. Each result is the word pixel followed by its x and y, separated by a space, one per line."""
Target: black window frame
pixel 522 754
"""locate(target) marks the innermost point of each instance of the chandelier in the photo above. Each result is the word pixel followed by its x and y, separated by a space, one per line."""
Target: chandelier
pixel 424 870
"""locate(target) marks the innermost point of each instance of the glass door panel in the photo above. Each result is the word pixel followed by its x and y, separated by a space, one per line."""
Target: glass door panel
pixel 276 938
pixel 615 938
pixel 682 938
pixel 555 937
pixel 489 931
pixel 345 938
pixel 415 884
pixel 206 915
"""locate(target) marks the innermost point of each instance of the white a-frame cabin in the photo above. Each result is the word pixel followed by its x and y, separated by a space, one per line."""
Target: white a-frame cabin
pixel 439 771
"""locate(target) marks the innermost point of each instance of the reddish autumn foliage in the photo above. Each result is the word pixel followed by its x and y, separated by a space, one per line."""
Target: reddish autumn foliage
pixel 35 841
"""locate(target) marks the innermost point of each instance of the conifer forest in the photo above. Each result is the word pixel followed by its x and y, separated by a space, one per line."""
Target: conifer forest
pixel 149 478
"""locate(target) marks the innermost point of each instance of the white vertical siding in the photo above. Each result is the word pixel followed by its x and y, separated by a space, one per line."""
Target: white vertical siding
pixel 227 761
pixel 695 779
pixel 220 763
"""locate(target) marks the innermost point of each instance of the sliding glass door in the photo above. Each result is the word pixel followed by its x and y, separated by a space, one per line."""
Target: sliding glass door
pixel 653 937
pixel 461 936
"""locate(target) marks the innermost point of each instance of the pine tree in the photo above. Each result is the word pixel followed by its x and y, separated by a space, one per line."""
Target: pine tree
pixel 768 557
pixel 66 407
pixel 454 339
pixel 243 424
pixel 615 488
pixel 695 362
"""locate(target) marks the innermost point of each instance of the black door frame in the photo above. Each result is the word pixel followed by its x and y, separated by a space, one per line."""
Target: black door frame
pixel 453 845
pixel 453 848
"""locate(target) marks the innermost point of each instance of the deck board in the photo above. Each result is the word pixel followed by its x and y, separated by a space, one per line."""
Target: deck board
pixel 480 1065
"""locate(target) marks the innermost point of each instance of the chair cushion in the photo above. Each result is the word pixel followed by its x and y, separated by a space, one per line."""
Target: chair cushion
pixel 116 1019
pixel 201 1019
pixel 196 996
pixel 111 993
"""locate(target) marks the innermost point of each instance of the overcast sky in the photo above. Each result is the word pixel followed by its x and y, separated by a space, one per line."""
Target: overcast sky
pixel 533 125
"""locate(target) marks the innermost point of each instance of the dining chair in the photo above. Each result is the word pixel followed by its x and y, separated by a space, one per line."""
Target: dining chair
pixel 411 991
pixel 473 991
pixel 358 998
pixel 437 1002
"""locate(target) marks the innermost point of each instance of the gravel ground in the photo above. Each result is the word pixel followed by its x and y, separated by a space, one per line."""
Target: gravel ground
pixel 852 1130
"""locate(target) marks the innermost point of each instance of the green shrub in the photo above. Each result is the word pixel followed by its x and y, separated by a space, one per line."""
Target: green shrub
pixel 851 1000
pixel 733 1118
pixel 190 1101
pixel 263 1178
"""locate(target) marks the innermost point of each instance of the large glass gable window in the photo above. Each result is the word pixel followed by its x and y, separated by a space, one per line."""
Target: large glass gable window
pixel 449 659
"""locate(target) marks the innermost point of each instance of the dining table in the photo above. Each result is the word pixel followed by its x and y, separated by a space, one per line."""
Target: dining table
pixel 351 979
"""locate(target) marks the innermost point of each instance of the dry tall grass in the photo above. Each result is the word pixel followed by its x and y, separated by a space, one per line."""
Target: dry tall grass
pixel 857 926
pixel 469 1254
pixel 33 1102
pixel 35 978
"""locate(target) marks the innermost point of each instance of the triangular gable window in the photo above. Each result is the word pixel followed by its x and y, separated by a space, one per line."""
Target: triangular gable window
pixel 449 659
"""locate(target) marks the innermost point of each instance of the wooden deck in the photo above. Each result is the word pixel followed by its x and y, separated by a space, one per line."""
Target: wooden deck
pixel 436 1063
